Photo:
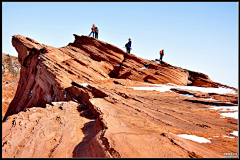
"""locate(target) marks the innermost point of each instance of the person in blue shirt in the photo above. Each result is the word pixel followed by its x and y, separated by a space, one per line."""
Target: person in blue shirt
pixel 128 45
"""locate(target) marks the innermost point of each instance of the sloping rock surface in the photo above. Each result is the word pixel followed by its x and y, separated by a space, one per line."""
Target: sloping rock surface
pixel 102 116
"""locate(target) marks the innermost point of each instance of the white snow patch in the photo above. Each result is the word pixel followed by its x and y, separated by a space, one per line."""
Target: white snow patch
pixel 228 102
pixel 189 95
pixel 195 138
pixel 73 102
pixel 225 108
pixel 235 133
pixel 209 99
pixel 60 102
pixel 228 136
pixel 84 84
pixel 232 115
pixel 219 90
pixel 15 68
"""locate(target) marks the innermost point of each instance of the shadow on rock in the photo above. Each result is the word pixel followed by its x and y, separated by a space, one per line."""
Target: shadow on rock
pixel 90 145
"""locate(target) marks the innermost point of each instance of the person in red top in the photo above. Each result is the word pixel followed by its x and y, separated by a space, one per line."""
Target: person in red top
pixel 161 55
pixel 93 30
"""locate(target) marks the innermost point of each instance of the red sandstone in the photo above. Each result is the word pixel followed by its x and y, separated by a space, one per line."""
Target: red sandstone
pixel 106 118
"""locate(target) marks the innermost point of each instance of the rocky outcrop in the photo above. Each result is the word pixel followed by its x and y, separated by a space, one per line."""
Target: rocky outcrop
pixel 46 71
pixel 10 66
pixel 102 116
pixel 10 77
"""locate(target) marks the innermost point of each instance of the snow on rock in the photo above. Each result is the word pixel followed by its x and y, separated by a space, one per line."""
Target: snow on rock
pixel 235 133
pixel 228 136
pixel 60 102
pixel 195 138
pixel 84 84
pixel 189 95
pixel 15 68
pixel 210 99
pixel 232 115
pixel 225 108
pixel 164 88
pixel 73 102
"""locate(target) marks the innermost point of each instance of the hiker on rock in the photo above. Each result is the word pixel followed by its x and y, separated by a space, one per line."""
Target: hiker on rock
pixel 96 32
pixel 128 45
pixel 161 55
pixel 93 30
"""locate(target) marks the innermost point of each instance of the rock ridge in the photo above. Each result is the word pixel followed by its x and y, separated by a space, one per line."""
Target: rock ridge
pixel 78 97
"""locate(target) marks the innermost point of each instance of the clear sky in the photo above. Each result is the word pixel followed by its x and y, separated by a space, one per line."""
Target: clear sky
pixel 199 36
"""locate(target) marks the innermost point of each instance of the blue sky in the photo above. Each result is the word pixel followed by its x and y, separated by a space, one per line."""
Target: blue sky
pixel 199 36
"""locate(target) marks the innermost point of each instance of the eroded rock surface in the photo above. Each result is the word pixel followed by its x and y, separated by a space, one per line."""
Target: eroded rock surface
pixel 107 117
pixel 55 131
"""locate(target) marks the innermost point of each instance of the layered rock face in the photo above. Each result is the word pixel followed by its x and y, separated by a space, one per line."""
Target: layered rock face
pixel 102 116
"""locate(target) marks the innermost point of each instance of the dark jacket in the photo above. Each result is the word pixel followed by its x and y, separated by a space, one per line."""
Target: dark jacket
pixel 129 44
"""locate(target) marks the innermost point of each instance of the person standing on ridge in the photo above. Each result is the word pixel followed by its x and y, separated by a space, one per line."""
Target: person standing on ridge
pixel 96 32
pixel 161 55
pixel 128 45
pixel 93 30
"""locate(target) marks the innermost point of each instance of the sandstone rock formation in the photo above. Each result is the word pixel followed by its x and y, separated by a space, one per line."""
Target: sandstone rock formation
pixel 10 77
pixel 102 116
